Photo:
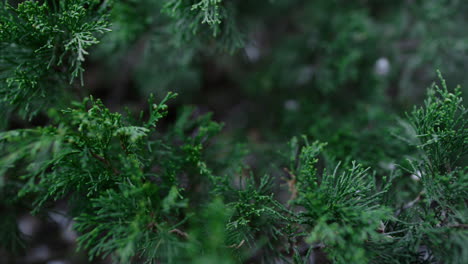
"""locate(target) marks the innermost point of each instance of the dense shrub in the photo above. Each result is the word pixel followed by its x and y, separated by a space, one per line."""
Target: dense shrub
pixel 287 140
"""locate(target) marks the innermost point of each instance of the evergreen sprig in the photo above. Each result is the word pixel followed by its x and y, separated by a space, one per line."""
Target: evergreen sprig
pixel 43 47
pixel 343 208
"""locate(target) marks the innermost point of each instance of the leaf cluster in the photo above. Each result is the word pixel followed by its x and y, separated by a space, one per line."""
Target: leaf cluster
pixel 43 47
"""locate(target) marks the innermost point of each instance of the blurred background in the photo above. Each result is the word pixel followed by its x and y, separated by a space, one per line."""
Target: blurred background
pixel 337 71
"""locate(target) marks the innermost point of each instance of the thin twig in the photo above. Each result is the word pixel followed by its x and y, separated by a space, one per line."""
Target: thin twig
pixel 291 184
pixel 410 204
pixel 461 226
pixel 105 161
pixel 179 232
pixel 237 246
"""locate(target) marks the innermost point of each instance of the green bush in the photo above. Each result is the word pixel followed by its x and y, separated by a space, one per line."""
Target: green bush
pixel 307 157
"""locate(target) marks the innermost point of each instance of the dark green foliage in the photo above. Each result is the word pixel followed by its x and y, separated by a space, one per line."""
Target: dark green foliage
pixel 342 209
pixel 43 47
pixel 210 235
pixel 99 155
pixel 171 185
pixel 190 15
pixel 129 182
pixel 12 239
pixel 258 219
pixel 441 134
pixel 441 129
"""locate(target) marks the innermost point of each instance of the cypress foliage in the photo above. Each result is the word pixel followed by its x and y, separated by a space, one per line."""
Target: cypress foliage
pixel 316 164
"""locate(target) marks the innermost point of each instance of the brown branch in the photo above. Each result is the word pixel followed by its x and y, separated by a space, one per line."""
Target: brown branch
pixel 237 246
pixel 291 184
pixel 105 161
pixel 179 232
pixel 461 226
pixel 122 145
